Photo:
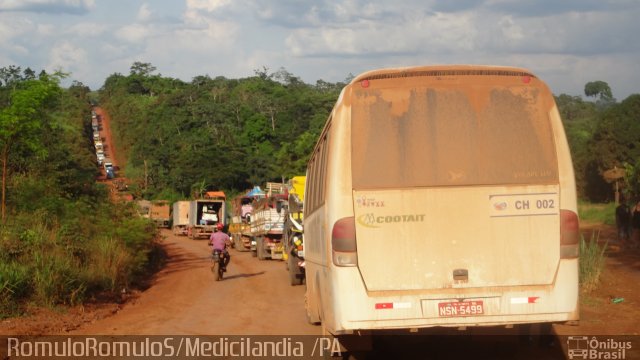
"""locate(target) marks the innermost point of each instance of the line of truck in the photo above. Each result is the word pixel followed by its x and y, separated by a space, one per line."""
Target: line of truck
pixel 268 222
pixel 101 155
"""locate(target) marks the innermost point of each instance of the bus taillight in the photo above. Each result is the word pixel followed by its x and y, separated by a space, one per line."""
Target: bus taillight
pixel 569 234
pixel 343 242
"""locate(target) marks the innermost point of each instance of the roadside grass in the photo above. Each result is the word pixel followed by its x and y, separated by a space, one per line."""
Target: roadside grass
pixel 97 250
pixel 592 260
pixel 597 213
pixel 592 251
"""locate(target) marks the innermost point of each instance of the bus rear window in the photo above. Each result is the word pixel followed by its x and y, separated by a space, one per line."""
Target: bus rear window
pixel 451 136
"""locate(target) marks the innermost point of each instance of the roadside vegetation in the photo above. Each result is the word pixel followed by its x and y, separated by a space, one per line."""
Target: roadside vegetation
pixel 597 213
pixel 592 249
pixel 592 261
pixel 62 241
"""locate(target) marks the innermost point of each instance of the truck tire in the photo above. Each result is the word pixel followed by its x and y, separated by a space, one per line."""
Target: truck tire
pixel 260 248
pixel 239 244
pixel 295 275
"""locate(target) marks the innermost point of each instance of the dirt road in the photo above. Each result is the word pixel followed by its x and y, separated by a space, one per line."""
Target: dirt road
pixel 253 298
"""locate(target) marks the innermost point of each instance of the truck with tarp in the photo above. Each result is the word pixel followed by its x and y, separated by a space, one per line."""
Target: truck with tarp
pixel 206 213
pixel 293 240
pixel 240 226
pixel 160 213
pixel 180 216
pixel 267 222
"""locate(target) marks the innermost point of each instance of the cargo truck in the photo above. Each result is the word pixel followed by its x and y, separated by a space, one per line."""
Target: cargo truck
pixel 240 226
pixel 180 215
pixel 160 213
pixel 293 240
pixel 205 214
pixel 267 223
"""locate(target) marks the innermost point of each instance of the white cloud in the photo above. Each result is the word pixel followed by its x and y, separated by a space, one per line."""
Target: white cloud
pixel 134 33
pixel 67 56
pixel 48 6
pixel 207 5
pixel 417 33
pixel 202 27
pixel 87 29
pixel 144 13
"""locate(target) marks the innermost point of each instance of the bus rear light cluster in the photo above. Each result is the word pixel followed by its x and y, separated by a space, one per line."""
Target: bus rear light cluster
pixel 569 235
pixel 343 242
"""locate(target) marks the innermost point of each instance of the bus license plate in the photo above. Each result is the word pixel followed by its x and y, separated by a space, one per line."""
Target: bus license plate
pixel 463 308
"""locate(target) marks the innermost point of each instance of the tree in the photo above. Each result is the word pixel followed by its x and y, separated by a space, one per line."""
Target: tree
pixel 614 143
pixel 10 75
pixel 142 69
pixel 21 120
pixel 599 90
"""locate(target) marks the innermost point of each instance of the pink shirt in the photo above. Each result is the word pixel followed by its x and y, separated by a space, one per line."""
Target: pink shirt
pixel 219 240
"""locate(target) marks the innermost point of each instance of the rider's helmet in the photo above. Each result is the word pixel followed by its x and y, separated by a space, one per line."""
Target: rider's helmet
pixel 219 226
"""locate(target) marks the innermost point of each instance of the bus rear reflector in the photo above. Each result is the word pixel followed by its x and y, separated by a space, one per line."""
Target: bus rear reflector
pixel 343 242
pixel 569 234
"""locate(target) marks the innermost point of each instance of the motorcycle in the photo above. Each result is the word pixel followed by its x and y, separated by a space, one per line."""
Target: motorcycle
pixel 218 268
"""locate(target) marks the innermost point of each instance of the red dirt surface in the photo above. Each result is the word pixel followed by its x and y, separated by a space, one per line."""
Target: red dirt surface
pixel 620 279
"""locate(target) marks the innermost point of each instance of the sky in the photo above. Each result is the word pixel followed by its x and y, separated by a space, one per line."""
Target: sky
pixel 566 43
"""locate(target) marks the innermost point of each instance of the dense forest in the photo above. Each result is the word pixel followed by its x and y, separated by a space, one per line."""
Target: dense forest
pixel 63 241
pixel 180 138
pixel 213 134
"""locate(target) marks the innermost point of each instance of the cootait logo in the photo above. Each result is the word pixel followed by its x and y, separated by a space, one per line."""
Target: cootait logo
pixel 583 347
pixel 375 221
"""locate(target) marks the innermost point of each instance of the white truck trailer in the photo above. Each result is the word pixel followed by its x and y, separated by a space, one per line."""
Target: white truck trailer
pixel 205 214
pixel 180 215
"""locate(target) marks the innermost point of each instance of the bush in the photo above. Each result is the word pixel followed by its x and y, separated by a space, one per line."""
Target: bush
pixel 56 279
pixel 92 247
pixel 14 284
pixel 110 265
pixel 597 213
pixel 592 262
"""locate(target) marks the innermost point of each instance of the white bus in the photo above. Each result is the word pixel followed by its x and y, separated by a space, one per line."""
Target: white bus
pixel 441 196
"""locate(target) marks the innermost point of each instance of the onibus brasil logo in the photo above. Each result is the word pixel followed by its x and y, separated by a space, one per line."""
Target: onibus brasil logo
pixel 583 347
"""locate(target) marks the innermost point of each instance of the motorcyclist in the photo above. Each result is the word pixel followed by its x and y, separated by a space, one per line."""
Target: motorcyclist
pixel 219 241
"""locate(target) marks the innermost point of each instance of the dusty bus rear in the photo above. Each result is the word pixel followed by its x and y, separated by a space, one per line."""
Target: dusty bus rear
pixel 441 196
